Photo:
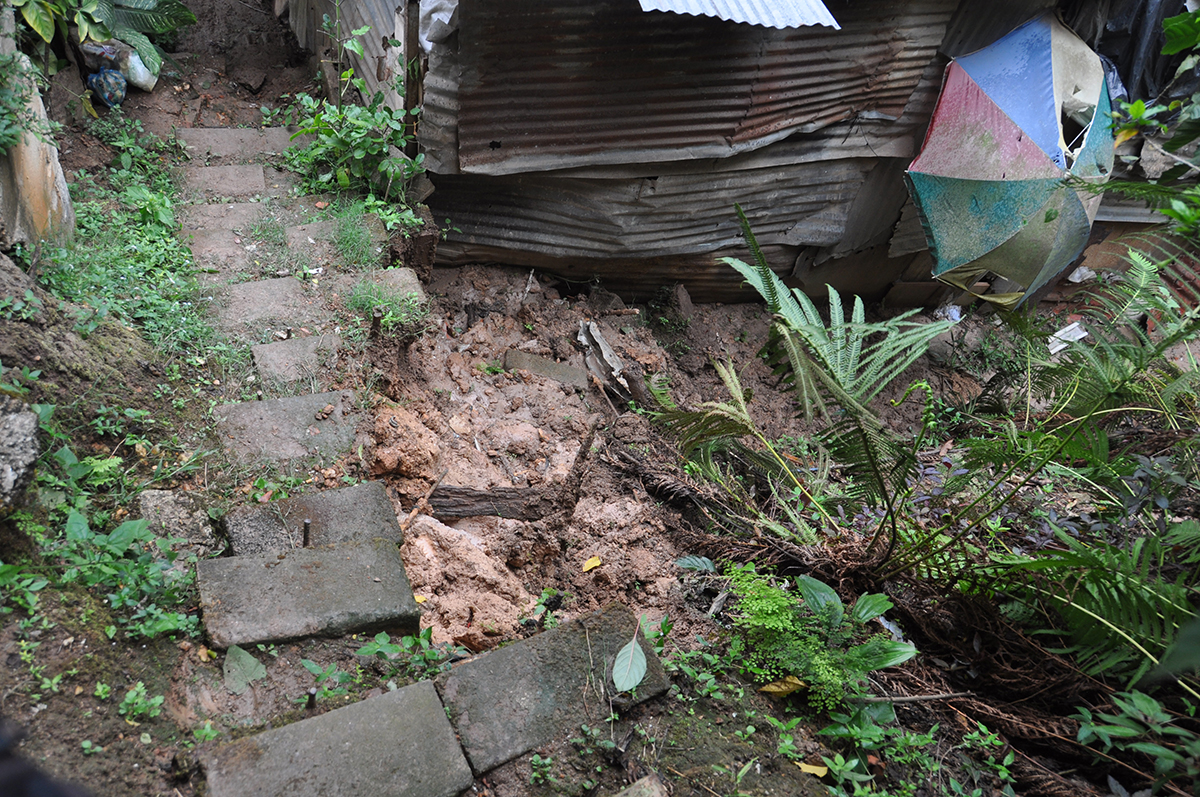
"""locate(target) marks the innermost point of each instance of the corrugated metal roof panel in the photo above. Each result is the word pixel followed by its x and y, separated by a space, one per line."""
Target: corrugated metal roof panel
pixel 770 13
pixel 574 83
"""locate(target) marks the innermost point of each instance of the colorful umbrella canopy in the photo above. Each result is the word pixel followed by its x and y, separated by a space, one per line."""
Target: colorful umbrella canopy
pixel 1014 121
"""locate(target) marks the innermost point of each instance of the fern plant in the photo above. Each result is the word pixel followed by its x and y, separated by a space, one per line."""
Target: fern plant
pixel 1119 371
pixel 1119 612
pixel 844 365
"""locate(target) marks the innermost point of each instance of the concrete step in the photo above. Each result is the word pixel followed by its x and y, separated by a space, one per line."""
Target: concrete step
pixel 289 428
pixel 329 591
pixel 286 301
pixel 395 745
pixel 295 358
pixel 243 180
pixel 400 280
pixel 317 241
pixel 361 512
pixel 237 143
pixel 226 216
pixel 512 700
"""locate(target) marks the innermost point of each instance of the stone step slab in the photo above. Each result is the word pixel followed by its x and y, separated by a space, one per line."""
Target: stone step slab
pixel 395 745
pixel 295 358
pixel 400 280
pixel 236 143
pixel 317 240
pixel 328 591
pixel 284 300
pixel 289 428
pixel 361 512
pixel 520 697
pixel 515 359
pixel 227 216
pixel 244 180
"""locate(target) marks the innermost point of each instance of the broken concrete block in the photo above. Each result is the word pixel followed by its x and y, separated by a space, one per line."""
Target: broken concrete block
pixel 361 512
pixel 396 745
pixel 337 589
pixel 519 697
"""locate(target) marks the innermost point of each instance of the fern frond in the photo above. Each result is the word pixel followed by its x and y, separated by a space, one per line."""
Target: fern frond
pixel 1118 612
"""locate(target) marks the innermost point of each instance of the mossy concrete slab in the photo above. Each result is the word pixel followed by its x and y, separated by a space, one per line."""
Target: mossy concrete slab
pixel 235 143
pixel 361 512
pixel 295 358
pixel 398 280
pixel 232 217
pixel 326 591
pixel 288 428
pixel 396 745
pixel 284 300
pixel 245 180
pixel 515 359
pixel 522 696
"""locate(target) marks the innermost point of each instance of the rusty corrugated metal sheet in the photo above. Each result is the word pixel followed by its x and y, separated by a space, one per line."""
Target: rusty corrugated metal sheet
pixel 801 204
pixel 379 62
pixel 769 13
pixel 909 235
pixel 976 25
pixel 552 86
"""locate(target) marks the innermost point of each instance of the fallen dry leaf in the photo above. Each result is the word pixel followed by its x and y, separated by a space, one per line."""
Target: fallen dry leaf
pixel 783 687
pixel 813 769
pixel 591 564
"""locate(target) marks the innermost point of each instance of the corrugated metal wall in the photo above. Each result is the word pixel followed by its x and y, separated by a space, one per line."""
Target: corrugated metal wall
pixel 573 83
pixel 381 61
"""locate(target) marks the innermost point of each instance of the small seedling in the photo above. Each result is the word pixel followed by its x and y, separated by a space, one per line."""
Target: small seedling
pixel 205 732
pixel 138 704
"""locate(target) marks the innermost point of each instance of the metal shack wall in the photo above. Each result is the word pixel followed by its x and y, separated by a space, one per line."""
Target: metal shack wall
pixel 381 61
pixel 538 86
pixel 647 197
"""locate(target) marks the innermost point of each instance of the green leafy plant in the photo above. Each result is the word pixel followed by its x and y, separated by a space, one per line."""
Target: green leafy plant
pixel 416 656
pixel 131 21
pixel 353 146
pixel 103 690
pixel 810 635
pixel 330 680
pixel 20 308
pixel 205 732
pixel 137 703
pixel 402 314
pixel 16 91
pixel 1141 725
pixel 540 770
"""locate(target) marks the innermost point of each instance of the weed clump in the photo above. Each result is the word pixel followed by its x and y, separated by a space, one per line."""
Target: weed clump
pixel 402 315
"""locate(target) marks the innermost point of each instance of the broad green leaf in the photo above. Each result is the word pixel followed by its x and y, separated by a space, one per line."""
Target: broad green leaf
pixel 241 669
pixel 821 599
pixel 77 527
pixel 40 18
pixel 1182 32
pixel 629 667
pixel 878 654
pixel 124 535
pixel 868 607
